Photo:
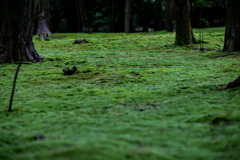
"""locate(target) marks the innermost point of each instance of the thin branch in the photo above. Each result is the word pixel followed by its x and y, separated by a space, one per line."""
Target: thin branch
pixel 14 85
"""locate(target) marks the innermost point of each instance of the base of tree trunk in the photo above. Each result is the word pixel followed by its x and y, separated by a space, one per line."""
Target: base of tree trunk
pixel 31 54
pixel 16 32
pixel 24 53
pixel 235 83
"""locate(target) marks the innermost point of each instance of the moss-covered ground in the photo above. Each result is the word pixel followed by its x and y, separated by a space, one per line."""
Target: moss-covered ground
pixel 136 97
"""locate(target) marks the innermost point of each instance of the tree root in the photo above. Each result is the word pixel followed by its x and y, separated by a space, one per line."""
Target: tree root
pixel 233 84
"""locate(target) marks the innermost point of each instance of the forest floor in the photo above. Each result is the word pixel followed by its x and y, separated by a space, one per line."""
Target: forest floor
pixel 136 97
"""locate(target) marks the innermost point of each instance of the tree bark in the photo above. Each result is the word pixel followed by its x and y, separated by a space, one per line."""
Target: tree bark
pixel 170 16
pixel 16 32
pixel 127 16
pixel 41 16
pixel 184 34
pixel 81 16
pixel 232 33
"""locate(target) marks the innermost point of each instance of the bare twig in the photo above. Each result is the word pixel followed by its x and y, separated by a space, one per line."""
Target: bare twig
pixel 14 85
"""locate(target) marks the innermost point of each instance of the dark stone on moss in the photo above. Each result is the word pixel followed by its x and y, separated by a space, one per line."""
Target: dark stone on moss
pixel 81 41
pixel 67 71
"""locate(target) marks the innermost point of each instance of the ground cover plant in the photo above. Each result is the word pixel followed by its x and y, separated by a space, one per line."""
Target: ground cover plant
pixel 135 96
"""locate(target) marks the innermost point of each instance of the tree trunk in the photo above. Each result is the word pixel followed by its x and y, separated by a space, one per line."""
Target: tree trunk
pixel 81 16
pixel 232 33
pixel 41 16
pixel 127 16
pixel 16 32
pixel 170 16
pixel 184 34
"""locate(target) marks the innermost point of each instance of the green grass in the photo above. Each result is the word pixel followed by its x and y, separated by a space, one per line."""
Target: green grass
pixel 136 97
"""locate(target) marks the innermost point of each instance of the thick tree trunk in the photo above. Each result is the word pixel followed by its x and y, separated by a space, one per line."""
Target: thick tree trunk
pixel 170 16
pixel 184 34
pixel 41 15
pixel 81 16
pixel 127 16
pixel 16 32
pixel 232 33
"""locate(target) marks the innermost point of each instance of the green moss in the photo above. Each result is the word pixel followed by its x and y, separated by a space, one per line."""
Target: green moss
pixel 135 96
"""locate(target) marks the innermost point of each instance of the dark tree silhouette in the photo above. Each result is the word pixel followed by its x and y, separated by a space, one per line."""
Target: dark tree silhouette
pixel 81 16
pixel 232 33
pixel 16 32
pixel 41 19
pixel 170 15
pixel 159 15
pixel 184 34
pixel 127 16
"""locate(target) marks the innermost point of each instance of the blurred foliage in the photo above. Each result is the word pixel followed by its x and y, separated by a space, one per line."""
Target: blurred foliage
pixel 146 15
pixel 211 13
pixel 201 3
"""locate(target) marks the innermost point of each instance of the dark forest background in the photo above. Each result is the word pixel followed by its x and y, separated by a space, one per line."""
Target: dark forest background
pixel 146 15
